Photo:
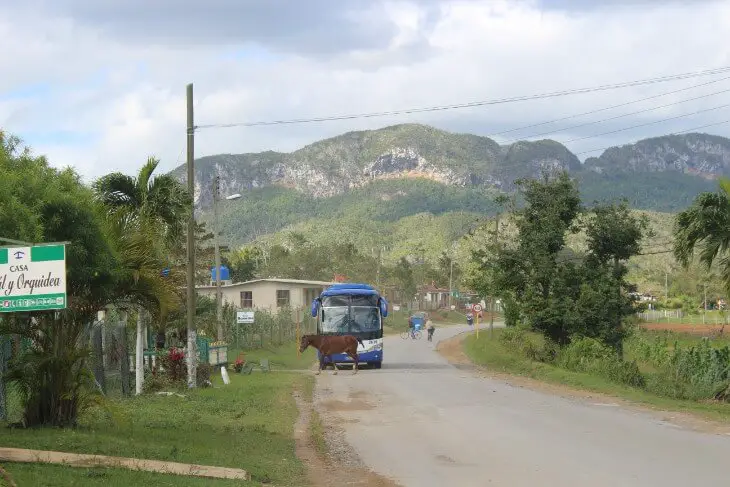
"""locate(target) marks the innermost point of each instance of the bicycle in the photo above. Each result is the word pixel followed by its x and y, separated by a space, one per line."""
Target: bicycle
pixel 415 335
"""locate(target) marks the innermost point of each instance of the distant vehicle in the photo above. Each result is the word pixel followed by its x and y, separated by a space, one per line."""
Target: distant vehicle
pixel 418 320
pixel 353 309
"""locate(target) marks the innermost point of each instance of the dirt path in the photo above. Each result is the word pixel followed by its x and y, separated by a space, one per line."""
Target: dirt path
pixel 342 467
pixel 452 349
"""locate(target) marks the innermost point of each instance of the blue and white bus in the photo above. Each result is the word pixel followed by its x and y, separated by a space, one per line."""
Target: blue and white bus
pixel 353 309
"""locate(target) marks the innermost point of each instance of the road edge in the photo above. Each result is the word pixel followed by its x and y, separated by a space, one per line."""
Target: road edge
pixel 452 350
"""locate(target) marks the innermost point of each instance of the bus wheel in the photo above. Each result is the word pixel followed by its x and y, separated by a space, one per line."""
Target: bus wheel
pixel 377 365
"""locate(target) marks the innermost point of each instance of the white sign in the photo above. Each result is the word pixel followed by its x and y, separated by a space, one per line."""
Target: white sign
pixel 33 278
pixel 477 308
pixel 396 307
pixel 244 317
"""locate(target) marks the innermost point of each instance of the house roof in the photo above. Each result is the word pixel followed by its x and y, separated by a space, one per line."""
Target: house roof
pixel 285 281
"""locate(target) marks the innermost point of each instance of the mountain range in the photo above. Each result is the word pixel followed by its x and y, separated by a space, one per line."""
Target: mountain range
pixel 368 181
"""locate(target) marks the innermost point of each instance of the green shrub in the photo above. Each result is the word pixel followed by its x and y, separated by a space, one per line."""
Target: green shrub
pixel 591 356
pixel 518 340
pixel 159 382
pixel 511 312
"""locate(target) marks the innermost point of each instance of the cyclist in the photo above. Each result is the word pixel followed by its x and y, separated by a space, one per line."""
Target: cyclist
pixel 469 319
pixel 411 327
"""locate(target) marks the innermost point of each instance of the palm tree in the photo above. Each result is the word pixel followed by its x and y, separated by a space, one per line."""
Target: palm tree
pixel 705 226
pixel 162 199
pixel 147 219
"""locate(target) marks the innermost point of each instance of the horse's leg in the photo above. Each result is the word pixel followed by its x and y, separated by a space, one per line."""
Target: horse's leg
pixel 354 357
pixel 321 364
pixel 334 365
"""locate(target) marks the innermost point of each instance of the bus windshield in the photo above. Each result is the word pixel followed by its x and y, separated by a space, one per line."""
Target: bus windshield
pixel 350 314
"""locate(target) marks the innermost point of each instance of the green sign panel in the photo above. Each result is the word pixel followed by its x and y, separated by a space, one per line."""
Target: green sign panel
pixel 33 278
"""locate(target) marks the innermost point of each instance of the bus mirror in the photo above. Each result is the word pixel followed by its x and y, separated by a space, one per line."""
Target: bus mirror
pixel 315 308
pixel 383 307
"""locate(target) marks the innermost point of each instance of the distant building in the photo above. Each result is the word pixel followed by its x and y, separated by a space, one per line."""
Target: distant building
pixel 644 297
pixel 269 294
pixel 434 297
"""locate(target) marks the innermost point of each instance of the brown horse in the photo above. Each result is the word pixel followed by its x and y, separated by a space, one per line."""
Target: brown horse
pixel 329 345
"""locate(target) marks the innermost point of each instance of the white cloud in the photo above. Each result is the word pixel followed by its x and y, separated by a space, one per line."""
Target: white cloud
pixel 88 97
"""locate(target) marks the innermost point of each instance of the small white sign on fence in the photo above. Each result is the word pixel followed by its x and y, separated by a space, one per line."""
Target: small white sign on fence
pixel 244 317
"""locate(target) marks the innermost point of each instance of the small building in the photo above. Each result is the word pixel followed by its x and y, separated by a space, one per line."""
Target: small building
pixel 269 294
pixel 434 297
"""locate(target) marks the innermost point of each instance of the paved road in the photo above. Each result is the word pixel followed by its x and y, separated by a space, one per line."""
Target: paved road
pixel 425 423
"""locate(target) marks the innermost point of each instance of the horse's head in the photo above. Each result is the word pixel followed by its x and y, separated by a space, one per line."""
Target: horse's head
pixel 305 342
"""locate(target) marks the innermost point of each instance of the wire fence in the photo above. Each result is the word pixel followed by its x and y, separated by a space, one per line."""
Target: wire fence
pixel 112 345
pixel 680 316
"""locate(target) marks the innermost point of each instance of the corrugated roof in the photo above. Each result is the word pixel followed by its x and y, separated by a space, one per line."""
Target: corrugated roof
pixel 286 281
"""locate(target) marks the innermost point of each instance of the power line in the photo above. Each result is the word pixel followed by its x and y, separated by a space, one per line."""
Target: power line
pixel 474 104
pixel 674 133
pixel 619 116
pixel 647 123
pixel 569 117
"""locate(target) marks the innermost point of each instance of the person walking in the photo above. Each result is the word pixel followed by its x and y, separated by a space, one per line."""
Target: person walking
pixel 430 329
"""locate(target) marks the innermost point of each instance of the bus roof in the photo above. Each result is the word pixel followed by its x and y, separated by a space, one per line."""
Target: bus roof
pixel 351 289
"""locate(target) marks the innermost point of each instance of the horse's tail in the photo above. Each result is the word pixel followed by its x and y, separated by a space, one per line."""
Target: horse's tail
pixel 359 340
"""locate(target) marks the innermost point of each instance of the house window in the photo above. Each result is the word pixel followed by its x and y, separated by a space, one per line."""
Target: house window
pixel 246 299
pixel 283 297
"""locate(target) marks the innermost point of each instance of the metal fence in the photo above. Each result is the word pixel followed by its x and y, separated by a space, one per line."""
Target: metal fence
pixel 679 316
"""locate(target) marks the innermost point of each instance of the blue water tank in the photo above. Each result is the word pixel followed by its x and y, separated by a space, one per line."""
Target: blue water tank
pixel 225 273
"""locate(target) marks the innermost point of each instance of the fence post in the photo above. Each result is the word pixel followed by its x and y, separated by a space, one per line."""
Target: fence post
pixel 98 355
pixel 123 358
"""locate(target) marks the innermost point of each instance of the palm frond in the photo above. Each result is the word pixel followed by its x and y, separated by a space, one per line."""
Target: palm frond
pixel 705 224
pixel 144 178
pixel 118 190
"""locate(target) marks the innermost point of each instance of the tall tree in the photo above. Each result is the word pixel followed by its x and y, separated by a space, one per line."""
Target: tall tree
pixel 613 236
pixel 55 206
pixel 532 270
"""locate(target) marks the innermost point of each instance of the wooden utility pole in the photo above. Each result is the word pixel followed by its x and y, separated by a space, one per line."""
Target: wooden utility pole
pixel 491 299
pixel 192 342
pixel 451 277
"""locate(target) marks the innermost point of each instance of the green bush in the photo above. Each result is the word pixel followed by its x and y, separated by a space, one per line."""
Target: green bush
pixel 696 372
pixel 518 340
pixel 159 382
pixel 591 356
pixel 511 311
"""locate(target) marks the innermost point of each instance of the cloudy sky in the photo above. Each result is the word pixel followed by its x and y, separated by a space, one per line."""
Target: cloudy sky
pixel 100 85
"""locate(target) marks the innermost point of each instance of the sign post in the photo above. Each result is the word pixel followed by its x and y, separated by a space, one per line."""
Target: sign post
pixel 33 278
pixel 299 353
pixel 477 309
pixel 243 318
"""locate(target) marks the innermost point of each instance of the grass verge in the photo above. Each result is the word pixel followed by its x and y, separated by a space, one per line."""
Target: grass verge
pixel 316 431
pixel 490 352
pixel 247 424
pixel 283 357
